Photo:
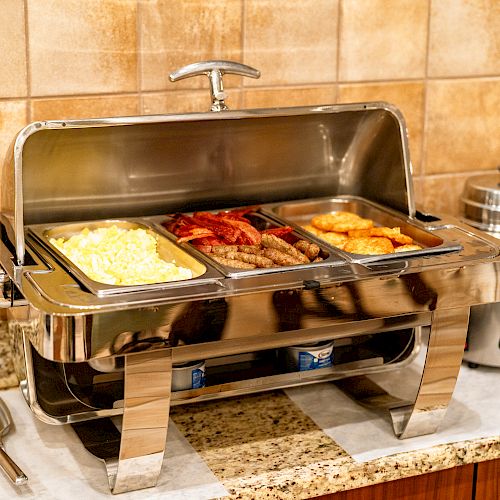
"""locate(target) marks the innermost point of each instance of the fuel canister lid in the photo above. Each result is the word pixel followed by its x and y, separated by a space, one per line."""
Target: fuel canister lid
pixel 480 202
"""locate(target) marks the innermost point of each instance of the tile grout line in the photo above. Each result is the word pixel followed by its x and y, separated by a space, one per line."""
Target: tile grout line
pixel 337 69
pixel 431 78
pixel 443 175
pixel 242 98
pixel 27 65
pixel 423 146
pixel 157 91
pixel 138 48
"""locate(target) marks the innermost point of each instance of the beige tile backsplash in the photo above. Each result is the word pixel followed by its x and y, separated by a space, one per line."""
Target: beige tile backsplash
pixel 471 137
pixel 438 61
pixel 441 193
pixel 383 39
pixel 80 47
pixel 176 33
pixel 13 79
pixel 84 107
pixel 291 42
pixel 289 96
pixel 13 117
pixel 185 101
pixel 464 38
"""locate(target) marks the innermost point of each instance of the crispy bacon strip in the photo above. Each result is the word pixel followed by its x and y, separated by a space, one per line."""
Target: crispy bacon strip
pixel 248 234
pixel 278 231
pixel 177 222
pixel 239 213
pixel 195 233
pixel 219 226
pixel 207 240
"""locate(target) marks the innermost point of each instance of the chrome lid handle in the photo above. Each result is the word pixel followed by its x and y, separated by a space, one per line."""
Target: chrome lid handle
pixel 215 70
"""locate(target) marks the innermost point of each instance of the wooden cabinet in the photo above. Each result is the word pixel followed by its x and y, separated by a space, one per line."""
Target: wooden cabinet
pixel 487 484
pixel 468 482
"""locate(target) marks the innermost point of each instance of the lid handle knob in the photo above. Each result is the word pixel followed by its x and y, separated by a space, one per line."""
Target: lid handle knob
pixel 215 70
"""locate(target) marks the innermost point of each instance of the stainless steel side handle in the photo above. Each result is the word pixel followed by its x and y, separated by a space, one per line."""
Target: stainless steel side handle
pixel 215 70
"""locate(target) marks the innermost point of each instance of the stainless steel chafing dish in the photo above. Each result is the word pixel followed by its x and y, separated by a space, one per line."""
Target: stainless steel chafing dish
pixel 89 351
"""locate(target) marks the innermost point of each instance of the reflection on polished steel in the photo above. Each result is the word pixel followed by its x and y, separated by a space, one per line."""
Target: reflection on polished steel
pixel 148 377
pixel 325 300
pixel 442 363
pixel 86 352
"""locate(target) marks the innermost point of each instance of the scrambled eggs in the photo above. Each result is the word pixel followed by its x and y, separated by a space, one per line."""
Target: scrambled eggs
pixel 117 256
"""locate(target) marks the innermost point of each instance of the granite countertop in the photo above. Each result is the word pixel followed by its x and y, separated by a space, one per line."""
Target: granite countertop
pixel 257 446
pixel 7 377
pixel 264 446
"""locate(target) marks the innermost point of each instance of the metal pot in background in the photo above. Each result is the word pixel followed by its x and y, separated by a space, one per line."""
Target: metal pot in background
pixel 480 204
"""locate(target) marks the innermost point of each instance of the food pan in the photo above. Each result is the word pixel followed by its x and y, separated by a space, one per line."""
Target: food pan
pixel 300 213
pixel 264 222
pixel 168 251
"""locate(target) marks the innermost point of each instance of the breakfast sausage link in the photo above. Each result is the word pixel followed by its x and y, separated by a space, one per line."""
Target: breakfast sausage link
pixel 255 249
pixel 272 241
pixel 250 258
pixel 281 258
pixel 310 250
pixel 224 249
pixel 238 264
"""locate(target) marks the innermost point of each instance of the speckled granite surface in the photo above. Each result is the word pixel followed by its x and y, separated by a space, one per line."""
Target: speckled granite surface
pixel 7 377
pixel 264 446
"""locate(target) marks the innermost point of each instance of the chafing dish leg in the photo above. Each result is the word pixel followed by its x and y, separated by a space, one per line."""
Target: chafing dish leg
pixel 146 404
pixel 443 360
pixel 442 364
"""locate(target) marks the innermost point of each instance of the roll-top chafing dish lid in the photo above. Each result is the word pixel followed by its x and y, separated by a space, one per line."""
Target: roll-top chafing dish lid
pixel 77 170
pixel 70 171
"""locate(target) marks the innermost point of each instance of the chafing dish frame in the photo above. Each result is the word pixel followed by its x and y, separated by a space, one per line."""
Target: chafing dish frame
pixel 345 143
